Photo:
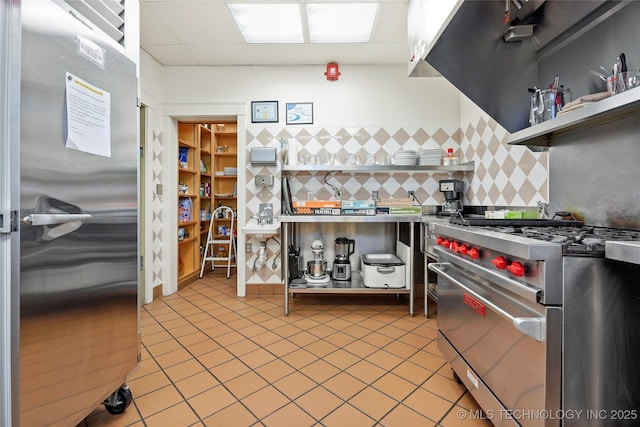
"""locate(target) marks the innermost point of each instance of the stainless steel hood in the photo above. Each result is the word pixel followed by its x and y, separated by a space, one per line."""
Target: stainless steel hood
pixel 471 51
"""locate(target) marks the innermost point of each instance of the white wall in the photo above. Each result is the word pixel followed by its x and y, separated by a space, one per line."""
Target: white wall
pixel 363 94
pixel 375 96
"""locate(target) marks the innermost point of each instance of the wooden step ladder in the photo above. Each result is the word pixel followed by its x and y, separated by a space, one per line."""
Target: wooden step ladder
pixel 227 239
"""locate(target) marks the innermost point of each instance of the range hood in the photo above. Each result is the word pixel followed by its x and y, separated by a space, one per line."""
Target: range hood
pixel 495 63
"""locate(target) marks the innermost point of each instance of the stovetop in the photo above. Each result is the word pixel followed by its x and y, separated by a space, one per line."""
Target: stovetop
pixel 575 239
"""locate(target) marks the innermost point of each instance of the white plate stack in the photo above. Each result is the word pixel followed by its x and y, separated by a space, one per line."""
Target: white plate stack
pixel 406 158
pixel 429 157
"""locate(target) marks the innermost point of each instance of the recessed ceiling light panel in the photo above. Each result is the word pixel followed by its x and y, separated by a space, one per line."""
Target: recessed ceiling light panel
pixel 268 23
pixel 340 22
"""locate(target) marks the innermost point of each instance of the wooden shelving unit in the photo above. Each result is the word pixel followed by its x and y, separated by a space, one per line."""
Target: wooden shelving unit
pixel 202 186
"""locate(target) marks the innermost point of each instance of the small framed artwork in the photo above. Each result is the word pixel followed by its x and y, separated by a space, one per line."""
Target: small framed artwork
pixel 299 113
pixel 264 111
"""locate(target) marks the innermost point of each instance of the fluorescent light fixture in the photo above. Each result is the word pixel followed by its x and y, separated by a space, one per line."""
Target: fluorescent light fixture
pixel 268 23
pixel 340 22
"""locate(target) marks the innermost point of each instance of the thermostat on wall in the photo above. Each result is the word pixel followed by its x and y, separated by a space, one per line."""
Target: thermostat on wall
pixel 263 156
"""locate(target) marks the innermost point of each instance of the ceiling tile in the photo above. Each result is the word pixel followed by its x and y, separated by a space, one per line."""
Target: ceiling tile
pixel 152 28
pixel 171 55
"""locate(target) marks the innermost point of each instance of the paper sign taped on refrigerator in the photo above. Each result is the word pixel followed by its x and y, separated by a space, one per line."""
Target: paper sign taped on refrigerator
pixel 88 117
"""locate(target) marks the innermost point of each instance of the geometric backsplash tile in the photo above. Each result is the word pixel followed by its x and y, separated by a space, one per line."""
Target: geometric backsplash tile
pixel 504 175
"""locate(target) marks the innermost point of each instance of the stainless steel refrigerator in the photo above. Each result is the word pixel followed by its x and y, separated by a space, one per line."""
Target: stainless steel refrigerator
pixel 76 323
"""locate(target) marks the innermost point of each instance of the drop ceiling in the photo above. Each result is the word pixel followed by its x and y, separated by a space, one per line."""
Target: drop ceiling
pixel 202 33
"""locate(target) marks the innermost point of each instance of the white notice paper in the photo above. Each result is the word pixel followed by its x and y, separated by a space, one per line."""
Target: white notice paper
pixel 88 117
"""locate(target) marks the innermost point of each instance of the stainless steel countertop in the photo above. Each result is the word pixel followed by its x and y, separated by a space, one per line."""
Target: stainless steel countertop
pixel 349 218
pixel 623 251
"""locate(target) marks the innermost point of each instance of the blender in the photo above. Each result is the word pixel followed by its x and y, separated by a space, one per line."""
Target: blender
pixel 452 189
pixel 342 263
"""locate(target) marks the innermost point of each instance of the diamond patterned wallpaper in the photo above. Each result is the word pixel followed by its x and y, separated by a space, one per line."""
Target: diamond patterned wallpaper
pixel 504 175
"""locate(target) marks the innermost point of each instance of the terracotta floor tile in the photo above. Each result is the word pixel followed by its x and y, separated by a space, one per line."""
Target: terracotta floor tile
pixel 266 338
pixel 400 349
pixel 148 383
pixel 377 339
pixel 177 415
pixel 257 358
pixel 289 415
pixel 243 347
pixel 356 331
pixel 412 372
pixel 163 347
pixel 428 404
pixel 402 416
pixel 161 335
pixel 321 348
pixel 287 330
pixel 245 384
pixel 360 348
pixel 320 371
pixel 145 367
pixel 265 401
pixel 339 339
pixel 341 359
pixel 181 331
pixel 282 347
pixel 468 402
pixel 373 402
pixel 347 415
pixel 230 338
pixel 322 331
pixel 202 347
pixel 252 330
pixel 211 401
pixel 196 384
pixel 444 387
pixel 215 358
pixel 319 402
pixel 184 370
pixel 366 371
pixel 302 339
pixel 299 358
pixel 193 338
pixel 173 358
pixel 394 386
pixel 294 385
pixel 158 400
pixel 274 370
pixel 232 415
pixel 427 360
pixel 384 359
pixel 229 370
pixel 344 385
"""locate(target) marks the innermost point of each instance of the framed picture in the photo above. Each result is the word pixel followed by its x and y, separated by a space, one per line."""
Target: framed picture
pixel 299 113
pixel 264 111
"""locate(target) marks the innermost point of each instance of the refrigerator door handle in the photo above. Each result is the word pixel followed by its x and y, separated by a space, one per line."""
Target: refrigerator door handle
pixel 49 219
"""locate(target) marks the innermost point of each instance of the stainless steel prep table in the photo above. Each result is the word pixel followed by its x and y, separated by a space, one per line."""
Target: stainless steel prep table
pixel 355 286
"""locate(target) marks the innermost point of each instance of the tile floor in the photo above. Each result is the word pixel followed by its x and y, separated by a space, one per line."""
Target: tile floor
pixel 210 358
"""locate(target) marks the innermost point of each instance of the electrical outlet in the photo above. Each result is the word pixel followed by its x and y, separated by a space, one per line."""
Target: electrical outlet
pixel 248 248
pixel 264 180
pixel 374 195
pixel 412 195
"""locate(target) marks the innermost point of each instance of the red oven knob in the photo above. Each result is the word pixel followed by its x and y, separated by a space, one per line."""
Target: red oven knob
pixel 474 253
pixel 517 269
pixel 439 240
pixel 462 249
pixel 499 262
pixel 446 243
pixel 454 246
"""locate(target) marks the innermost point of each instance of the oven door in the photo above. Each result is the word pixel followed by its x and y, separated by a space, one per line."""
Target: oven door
pixel 505 349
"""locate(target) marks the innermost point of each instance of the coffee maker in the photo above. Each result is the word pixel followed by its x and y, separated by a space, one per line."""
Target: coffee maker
pixel 452 190
pixel 342 264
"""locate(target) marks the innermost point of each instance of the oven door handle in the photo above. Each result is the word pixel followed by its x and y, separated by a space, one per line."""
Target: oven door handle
pixel 530 326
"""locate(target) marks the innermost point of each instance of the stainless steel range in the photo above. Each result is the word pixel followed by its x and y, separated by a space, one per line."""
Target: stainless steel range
pixel 535 319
